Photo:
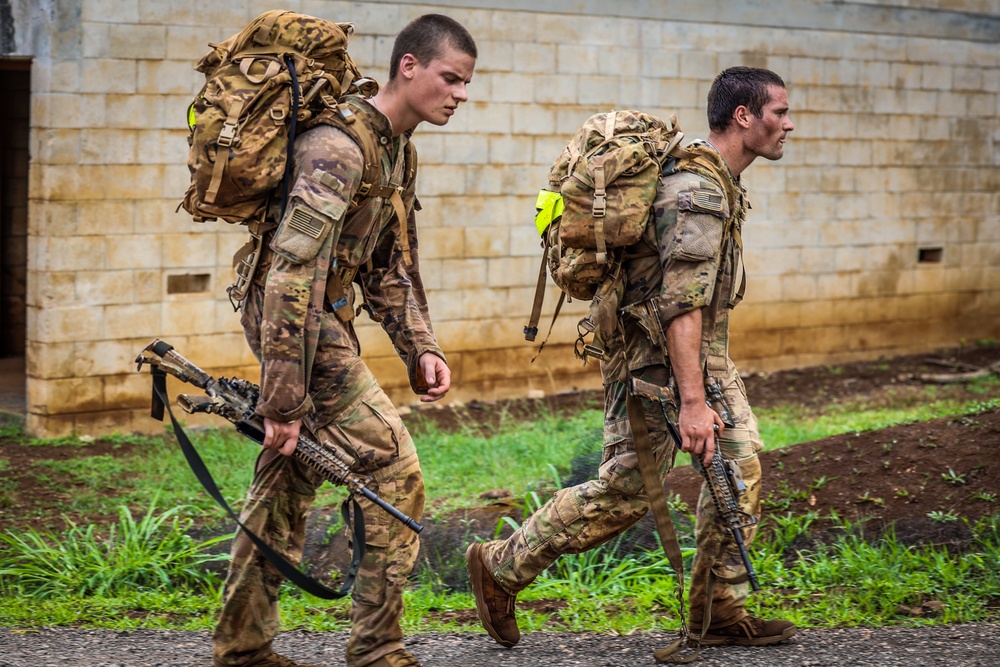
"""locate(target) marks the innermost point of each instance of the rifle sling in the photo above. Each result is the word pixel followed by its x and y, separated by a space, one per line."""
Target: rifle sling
pixel 289 571
pixel 661 516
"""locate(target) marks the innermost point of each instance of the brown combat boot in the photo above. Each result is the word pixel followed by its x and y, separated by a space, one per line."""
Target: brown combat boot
pixel 398 658
pixel 494 605
pixel 272 659
pixel 750 631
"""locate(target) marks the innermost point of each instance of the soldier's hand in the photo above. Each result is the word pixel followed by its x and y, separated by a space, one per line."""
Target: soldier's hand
pixel 436 373
pixel 697 425
pixel 282 436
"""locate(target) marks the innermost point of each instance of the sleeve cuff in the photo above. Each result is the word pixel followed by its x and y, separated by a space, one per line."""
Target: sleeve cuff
pixel 294 414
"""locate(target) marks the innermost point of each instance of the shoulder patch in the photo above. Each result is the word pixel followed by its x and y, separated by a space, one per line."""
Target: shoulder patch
pixel 707 200
pixel 301 219
pixel 327 179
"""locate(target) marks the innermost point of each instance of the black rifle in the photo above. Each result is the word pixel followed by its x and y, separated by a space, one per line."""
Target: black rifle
pixel 725 482
pixel 236 400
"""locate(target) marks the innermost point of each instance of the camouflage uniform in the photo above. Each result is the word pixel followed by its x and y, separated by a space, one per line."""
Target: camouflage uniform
pixel 311 369
pixel 696 264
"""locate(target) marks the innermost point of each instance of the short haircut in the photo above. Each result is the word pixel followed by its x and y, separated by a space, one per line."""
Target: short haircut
pixel 739 86
pixel 426 38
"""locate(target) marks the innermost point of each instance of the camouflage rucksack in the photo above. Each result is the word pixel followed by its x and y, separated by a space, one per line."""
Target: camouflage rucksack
pixel 284 73
pixel 242 120
pixel 598 201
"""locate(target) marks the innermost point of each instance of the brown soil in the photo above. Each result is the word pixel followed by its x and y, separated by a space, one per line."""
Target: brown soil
pixel 896 476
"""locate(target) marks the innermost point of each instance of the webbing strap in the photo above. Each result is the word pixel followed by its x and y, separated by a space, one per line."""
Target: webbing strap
pixel 225 140
pixel 599 210
pixel 260 37
pixel 661 516
pixel 531 330
pixel 273 67
pixel 287 570
pixel 609 125
pixel 552 324
pixel 404 232
pixel 286 180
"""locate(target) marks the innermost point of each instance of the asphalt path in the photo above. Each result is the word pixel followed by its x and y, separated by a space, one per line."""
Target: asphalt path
pixel 974 645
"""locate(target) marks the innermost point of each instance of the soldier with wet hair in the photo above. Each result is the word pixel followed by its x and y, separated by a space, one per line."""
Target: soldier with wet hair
pixel 337 231
pixel 681 280
pixel 426 37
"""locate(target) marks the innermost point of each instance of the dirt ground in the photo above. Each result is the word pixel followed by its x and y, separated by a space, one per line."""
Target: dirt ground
pixel 946 468
pixel 900 475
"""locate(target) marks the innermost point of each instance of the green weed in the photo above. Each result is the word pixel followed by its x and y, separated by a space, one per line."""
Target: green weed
pixel 952 477
pixel 149 554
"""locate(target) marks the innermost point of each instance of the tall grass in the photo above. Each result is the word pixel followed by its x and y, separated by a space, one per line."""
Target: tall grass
pixel 153 553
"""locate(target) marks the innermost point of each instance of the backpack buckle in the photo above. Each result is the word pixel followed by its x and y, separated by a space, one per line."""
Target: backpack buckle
pixel 277 115
pixel 600 203
pixel 227 137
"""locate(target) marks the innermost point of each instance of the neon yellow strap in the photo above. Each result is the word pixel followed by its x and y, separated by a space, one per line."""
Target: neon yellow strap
pixel 550 207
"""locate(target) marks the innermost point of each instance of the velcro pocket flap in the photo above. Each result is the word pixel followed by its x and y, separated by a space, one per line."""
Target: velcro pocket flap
pixel 701 215
pixel 322 192
pixel 301 234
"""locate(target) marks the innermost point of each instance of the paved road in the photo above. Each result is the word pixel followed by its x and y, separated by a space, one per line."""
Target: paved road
pixel 953 646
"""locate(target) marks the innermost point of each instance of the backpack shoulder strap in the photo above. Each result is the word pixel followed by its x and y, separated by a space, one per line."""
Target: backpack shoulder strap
pixel 347 117
pixel 350 117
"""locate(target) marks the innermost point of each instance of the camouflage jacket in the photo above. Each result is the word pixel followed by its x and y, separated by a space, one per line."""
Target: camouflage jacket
pixel 697 263
pixel 321 234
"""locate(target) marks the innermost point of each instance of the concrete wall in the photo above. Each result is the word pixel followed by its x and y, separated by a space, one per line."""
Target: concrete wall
pixel 894 158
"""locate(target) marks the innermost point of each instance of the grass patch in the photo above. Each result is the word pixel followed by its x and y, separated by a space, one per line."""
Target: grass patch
pixel 151 554
pixel 516 457
pixel 790 424
pixel 847 583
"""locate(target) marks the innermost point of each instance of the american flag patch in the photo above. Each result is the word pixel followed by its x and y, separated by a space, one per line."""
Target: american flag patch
pixel 707 200
pixel 305 222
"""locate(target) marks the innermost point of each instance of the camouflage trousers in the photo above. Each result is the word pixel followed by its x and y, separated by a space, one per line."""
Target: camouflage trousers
pixel 370 430
pixel 579 518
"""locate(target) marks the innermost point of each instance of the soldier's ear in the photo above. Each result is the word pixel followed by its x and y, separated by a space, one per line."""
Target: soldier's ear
pixel 741 115
pixel 408 65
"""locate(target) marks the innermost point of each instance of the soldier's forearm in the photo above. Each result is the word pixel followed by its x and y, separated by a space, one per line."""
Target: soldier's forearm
pixel 684 349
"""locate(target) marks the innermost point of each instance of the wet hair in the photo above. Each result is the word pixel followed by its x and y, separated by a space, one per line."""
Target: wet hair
pixel 426 37
pixel 739 86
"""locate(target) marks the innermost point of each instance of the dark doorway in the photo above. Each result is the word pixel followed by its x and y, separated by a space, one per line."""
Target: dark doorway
pixel 15 124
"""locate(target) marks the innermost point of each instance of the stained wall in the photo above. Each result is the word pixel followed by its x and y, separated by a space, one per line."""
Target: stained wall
pixel 877 234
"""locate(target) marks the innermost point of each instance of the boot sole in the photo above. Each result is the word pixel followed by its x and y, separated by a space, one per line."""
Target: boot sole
pixel 745 641
pixel 474 565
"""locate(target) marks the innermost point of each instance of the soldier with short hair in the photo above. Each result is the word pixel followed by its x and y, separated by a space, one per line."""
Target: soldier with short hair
pixel 297 318
pixel 681 280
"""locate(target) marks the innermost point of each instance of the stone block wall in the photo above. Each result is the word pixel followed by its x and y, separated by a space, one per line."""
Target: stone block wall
pixel 878 233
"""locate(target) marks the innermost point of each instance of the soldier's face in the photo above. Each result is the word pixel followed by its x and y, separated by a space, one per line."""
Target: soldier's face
pixel 438 87
pixel 766 135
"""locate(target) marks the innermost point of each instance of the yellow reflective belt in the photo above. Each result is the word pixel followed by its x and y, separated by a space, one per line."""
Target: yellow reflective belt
pixel 550 207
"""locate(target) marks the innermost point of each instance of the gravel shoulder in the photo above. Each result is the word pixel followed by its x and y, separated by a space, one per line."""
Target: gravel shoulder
pixel 973 645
